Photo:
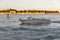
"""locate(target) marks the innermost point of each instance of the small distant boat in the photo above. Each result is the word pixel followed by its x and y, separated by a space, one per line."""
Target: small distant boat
pixel 34 21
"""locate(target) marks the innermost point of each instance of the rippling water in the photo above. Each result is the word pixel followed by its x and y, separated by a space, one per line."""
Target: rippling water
pixel 10 29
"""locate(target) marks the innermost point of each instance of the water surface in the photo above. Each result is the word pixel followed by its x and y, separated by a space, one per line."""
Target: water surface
pixel 10 29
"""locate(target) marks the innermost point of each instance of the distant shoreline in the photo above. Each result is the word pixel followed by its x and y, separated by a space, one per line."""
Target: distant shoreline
pixel 14 11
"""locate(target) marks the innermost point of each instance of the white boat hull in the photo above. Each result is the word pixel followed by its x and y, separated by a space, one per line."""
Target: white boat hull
pixel 35 21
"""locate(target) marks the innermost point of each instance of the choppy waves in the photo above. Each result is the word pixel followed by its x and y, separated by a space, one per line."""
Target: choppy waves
pixel 12 30
pixel 23 33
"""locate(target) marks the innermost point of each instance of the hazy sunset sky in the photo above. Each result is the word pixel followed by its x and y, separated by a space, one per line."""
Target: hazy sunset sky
pixel 30 4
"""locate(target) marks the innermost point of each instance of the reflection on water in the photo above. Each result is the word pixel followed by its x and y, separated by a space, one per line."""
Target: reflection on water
pixel 12 30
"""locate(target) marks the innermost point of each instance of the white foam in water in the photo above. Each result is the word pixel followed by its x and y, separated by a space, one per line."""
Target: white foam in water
pixel 16 18
pixel 9 23
pixel 30 33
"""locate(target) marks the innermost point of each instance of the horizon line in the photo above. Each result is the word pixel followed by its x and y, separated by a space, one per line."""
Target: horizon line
pixel 30 9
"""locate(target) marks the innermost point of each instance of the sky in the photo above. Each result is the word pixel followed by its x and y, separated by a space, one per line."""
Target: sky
pixel 30 4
